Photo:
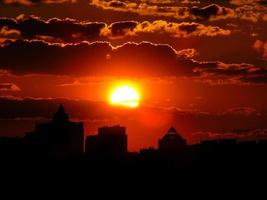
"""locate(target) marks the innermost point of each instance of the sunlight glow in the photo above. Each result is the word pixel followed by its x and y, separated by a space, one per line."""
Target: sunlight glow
pixel 125 96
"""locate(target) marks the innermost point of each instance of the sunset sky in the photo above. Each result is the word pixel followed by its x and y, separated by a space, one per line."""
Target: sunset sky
pixel 200 66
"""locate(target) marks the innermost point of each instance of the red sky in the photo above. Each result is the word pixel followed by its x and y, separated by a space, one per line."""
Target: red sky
pixel 200 66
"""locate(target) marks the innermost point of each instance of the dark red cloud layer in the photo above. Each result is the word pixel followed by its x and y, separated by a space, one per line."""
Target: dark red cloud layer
pixel 131 59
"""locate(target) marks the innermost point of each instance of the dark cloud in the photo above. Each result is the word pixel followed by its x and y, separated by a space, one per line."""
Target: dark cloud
pixel 206 12
pixel 189 28
pixel 218 68
pixel 213 12
pixel 259 79
pixel 69 30
pixel 22 108
pixel 102 59
pixel 178 10
pixel 241 69
pixel 9 22
pixel 44 58
pixel 237 72
pixel 119 28
pixel 117 4
pixel 89 59
pixel 250 10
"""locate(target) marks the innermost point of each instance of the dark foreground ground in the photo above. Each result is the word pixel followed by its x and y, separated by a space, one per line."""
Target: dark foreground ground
pixel 215 162
pixel 214 174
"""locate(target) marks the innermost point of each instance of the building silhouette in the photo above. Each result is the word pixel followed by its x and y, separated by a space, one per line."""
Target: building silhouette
pixel 111 143
pixel 62 138
pixel 171 143
pixel 57 138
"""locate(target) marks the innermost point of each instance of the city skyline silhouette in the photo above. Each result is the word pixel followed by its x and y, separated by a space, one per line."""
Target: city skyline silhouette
pixel 62 139
pixel 133 88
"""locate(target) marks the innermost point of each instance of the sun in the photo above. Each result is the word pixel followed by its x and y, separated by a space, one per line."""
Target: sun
pixel 125 96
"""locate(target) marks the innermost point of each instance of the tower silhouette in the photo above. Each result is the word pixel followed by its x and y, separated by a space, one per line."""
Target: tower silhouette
pixel 171 143
pixel 57 138
pixel 60 115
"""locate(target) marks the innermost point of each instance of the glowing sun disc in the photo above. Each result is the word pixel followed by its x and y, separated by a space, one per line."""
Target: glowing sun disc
pixel 125 96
